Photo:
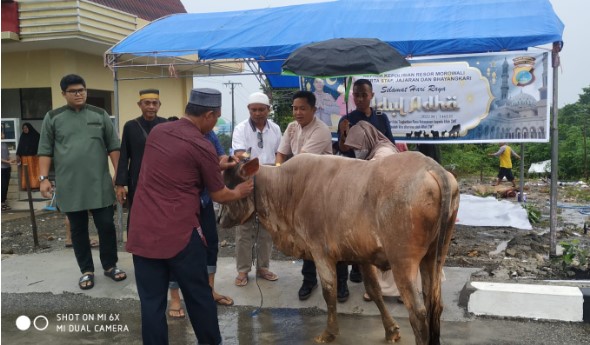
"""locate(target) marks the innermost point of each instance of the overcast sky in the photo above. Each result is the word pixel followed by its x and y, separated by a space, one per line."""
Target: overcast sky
pixel 573 76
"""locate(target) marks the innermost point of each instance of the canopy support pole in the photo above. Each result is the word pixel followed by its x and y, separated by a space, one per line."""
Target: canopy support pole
pixel 554 151
pixel 116 114
pixel 521 184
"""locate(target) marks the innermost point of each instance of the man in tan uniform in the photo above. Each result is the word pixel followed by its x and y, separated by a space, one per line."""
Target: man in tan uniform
pixel 307 134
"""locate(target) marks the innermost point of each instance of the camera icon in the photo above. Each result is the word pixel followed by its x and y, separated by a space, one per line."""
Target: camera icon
pixel 40 322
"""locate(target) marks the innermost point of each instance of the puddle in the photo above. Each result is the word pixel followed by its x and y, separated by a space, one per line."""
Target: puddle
pixel 573 216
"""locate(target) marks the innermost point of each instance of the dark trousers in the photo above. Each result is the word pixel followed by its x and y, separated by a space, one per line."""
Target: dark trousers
pixel 130 194
pixel 209 226
pixel 190 268
pixel 105 225
pixel 310 277
pixel 5 182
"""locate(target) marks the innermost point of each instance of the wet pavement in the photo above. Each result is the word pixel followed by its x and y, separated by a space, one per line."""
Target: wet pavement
pixel 247 325
pixel 43 287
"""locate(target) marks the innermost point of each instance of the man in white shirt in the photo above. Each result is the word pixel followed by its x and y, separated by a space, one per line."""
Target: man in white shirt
pixel 262 137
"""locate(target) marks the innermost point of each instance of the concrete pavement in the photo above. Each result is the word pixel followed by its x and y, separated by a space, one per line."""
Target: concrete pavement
pixel 46 284
pixel 57 273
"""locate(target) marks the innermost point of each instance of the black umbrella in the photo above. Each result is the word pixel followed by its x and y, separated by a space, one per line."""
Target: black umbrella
pixel 341 57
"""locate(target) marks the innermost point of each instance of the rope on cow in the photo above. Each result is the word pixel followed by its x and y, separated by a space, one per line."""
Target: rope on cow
pixel 255 249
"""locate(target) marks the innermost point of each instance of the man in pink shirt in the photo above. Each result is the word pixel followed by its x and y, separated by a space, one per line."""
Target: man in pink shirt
pixel 165 235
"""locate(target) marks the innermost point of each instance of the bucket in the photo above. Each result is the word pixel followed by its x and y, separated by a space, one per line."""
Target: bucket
pixel 521 198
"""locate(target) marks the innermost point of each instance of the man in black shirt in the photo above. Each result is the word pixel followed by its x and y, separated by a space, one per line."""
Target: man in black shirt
pixel 362 93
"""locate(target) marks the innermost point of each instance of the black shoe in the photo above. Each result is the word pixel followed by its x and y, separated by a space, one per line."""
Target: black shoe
pixel 343 292
pixel 356 276
pixel 306 290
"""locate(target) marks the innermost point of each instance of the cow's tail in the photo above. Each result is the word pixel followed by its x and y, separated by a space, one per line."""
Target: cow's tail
pixel 449 205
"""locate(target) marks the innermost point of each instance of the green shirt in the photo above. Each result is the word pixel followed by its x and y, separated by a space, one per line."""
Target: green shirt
pixel 79 143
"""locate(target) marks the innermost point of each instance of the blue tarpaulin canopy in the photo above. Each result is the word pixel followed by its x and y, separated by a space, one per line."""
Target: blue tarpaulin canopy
pixel 413 27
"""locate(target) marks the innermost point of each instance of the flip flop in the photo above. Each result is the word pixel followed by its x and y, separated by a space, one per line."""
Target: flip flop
pixel 241 280
pixel 93 243
pixel 366 297
pixel 268 275
pixel 69 245
pixel 224 300
pixel 87 280
pixel 114 272
pixel 180 313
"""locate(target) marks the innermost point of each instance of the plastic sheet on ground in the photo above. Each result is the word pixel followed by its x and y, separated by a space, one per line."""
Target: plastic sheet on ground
pixel 573 213
pixel 540 167
pixel 478 211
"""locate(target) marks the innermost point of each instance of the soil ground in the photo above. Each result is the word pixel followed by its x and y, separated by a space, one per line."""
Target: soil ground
pixel 503 253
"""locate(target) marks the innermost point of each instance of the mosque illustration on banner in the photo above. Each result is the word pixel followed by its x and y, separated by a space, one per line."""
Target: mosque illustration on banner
pixel 517 115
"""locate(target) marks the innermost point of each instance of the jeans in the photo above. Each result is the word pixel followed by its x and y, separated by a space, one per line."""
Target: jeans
pixel 209 226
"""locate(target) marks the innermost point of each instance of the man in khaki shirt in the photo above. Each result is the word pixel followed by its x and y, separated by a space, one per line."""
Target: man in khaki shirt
pixel 307 134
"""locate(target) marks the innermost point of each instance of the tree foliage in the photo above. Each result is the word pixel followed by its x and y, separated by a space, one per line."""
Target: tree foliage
pixel 574 129
pixel 282 111
pixel 225 141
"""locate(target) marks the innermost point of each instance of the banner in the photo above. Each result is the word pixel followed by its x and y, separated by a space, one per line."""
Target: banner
pixel 483 98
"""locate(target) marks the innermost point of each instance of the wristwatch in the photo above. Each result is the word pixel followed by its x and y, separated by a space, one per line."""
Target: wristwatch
pixel 41 178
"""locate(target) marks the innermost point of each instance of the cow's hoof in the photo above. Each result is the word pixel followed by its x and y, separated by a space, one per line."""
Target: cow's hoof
pixel 392 334
pixel 325 338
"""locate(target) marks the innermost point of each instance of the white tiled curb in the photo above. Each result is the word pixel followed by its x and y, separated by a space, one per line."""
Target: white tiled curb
pixel 549 302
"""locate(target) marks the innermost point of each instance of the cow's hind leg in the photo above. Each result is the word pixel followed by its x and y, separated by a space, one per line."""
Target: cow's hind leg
pixel 427 273
pixel 374 290
pixel 327 272
pixel 406 277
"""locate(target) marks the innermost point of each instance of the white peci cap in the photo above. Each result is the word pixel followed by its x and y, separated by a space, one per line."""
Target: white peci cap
pixel 258 98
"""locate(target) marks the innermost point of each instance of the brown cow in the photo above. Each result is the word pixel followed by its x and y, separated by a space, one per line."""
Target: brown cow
pixel 397 212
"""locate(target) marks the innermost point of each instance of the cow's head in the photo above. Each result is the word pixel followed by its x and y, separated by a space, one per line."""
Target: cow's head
pixel 237 212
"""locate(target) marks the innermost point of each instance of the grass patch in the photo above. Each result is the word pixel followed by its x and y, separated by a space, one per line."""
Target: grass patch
pixel 579 195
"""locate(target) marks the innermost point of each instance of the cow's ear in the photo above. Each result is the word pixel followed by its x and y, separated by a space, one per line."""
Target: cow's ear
pixel 249 168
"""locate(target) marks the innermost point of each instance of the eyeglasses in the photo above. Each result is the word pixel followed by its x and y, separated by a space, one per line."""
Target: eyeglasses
pixel 260 142
pixel 76 92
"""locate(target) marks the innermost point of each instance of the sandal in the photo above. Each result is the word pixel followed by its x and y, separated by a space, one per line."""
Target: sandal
pixel 179 313
pixel 86 282
pixel 115 274
pixel 241 280
pixel 268 275
pixel 366 297
pixel 224 300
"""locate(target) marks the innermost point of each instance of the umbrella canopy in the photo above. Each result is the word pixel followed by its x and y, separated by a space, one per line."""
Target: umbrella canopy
pixel 340 57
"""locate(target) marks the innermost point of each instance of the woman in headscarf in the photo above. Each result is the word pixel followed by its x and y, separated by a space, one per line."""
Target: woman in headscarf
pixel 368 143
pixel 26 153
